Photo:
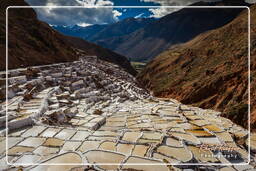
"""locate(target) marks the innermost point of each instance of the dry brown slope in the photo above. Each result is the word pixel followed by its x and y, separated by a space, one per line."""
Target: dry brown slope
pixel 30 41
pixel 210 71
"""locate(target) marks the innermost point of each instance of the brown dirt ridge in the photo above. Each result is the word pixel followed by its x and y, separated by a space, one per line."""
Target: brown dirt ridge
pixel 210 71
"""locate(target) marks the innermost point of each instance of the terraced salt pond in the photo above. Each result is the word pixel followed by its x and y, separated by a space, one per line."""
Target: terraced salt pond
pixel 79 116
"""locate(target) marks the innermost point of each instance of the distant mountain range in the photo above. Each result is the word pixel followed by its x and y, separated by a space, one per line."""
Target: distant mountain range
pixel 33 42
pixel 142 39
pixel 210 71
pixel 79 31
pixel 98 32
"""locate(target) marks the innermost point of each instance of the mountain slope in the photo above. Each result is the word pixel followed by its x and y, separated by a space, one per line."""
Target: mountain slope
pixel 33 42
pixel 121 28
pixel 82 32
pixel 102 53
pixel 175 28
pixel 99 33
pixel 210 71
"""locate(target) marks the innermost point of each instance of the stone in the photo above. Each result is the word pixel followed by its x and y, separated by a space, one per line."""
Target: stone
pixel 173 142
pixel 12 141
pixel 213 128
pixel 53 142
pixel 44 151
pixel 65 134
pixel 144 164
pixel 17 133
pixel 140 150
pixel 105 133
pixel 107 145
pixel 227 169
pixel 131 136
pixel 199 122
pixel 19 150
pixel 67 158
pixel 200 133
pixel 180 154
pixel 27 159
pixel 186 137
pixel 147 141
pixel 17 80
pixel 115 119
pixel 209 140
pixel 34 131
pixel 115 124
pixel 96 123
pixel 80 135
pixel 124 148
pixel 103 138
pixel 48 78
pixel 164 126
pixel 32 142
pixel 224 136
pixel 165 159
pixel 243 167
pixel 96 156
pixel 56 75
pixel 76 85
pixel 89 145
pixel 50 132
pixel 71 146
pixel 180 130
pixel 152 135
pixel 193 117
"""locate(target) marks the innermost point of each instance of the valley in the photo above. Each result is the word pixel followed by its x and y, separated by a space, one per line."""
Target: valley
pixel 140 94
pixel 141 39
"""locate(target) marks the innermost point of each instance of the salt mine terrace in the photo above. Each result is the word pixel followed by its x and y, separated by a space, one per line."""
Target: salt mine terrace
pixel 93 112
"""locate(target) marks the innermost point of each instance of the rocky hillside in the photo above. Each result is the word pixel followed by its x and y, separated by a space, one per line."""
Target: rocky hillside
pixel 210 71
pixel 32 42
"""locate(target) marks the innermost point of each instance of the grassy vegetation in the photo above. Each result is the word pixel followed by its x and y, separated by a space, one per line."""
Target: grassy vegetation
pixel 237 110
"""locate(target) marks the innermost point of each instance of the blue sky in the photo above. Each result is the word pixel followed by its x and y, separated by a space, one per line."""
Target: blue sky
pixel 89 16
pixel 131 12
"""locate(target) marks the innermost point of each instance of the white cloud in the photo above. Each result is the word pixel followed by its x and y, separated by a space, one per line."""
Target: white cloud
pixel 176 2
pixel 72 16
pixel 83 24
pixel 138 16
pixel 116 13
pixel 104 3
pixel 251 1
pixel 159 12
